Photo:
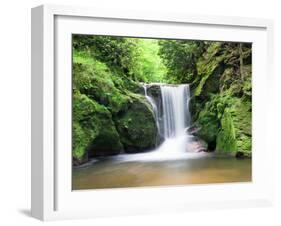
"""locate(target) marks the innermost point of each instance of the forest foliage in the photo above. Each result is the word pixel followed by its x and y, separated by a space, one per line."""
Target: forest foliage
pixel 109 107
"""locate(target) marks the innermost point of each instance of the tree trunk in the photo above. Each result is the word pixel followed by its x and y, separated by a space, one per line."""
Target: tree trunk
pixel 241 61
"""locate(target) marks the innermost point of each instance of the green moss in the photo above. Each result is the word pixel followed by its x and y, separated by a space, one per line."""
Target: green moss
pixel 89 131
pixel 223 98
pixel 209 68
pixel 247 83
pixel 96 81
pixel 82 57
pixel 209 124
pixel 80 141
pixel 84 127
pixel 242 120
pixel 137 126
pixel 244 144
pixel 103 97
pixel 226 139
pixel 107 142
pixel 208 121
pixel 225 123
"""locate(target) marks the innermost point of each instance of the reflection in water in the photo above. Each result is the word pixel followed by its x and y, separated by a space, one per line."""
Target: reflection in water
pixel 114 172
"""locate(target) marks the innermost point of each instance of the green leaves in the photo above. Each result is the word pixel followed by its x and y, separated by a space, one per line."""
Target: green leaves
pixel 149 65
pixel 180 58
pixel 116 52
pixel 136 59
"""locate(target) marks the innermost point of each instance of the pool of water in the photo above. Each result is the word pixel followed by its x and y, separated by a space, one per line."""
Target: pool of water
pixel 123 171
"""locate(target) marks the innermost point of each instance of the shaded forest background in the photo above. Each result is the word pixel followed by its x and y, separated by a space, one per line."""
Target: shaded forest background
pixel 111 114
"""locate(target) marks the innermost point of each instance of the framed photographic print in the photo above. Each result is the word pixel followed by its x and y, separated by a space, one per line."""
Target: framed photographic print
pixel 135 112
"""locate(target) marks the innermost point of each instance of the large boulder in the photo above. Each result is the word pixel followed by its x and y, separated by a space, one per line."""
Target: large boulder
pixel 208 120
pixel 90 135
pixel 225 124
pixel 209 127
pixel 226 138
pixel 242 121
pixel 136 126
pixel 236 131
pixel 196 144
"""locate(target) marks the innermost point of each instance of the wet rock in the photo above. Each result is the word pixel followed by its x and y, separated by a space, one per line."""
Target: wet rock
pixel 239 155
pixel 192 130
pixel 137 127
pixel 197 145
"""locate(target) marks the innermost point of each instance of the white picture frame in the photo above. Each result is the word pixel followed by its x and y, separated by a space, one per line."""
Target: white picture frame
pixel 52 197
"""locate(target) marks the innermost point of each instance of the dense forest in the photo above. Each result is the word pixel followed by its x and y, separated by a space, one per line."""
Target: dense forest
pixel 111 114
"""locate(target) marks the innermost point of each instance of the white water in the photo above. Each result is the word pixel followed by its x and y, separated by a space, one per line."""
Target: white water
pixel 176 116
pixel 154 107
pixel 175 119
pixel 171 124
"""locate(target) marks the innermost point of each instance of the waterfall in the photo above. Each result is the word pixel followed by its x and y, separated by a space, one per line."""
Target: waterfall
pixel 170 104
pixel 176 116
pixel 172 116
pixel 154 108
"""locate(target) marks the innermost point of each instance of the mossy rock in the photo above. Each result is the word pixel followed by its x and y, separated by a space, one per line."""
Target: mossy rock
pixel 136 126
pixel 236 132
pixel 226 139
pixel 210 67
pixel 225 123
pixel 94 133
pixel 154 90
pixel 81 138
pixel 107 142
pixel 84 127
pixel 208 119
pixel 209 127
pixel 210 82
pixel 99 83
pixel 242 120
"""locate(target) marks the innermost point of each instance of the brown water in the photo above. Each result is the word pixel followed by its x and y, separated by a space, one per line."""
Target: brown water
pixel 116 173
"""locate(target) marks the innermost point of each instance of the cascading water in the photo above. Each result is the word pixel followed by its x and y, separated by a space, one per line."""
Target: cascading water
pixel 176 116
pixel 154 107
pixel 175 119
pixel 172 117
